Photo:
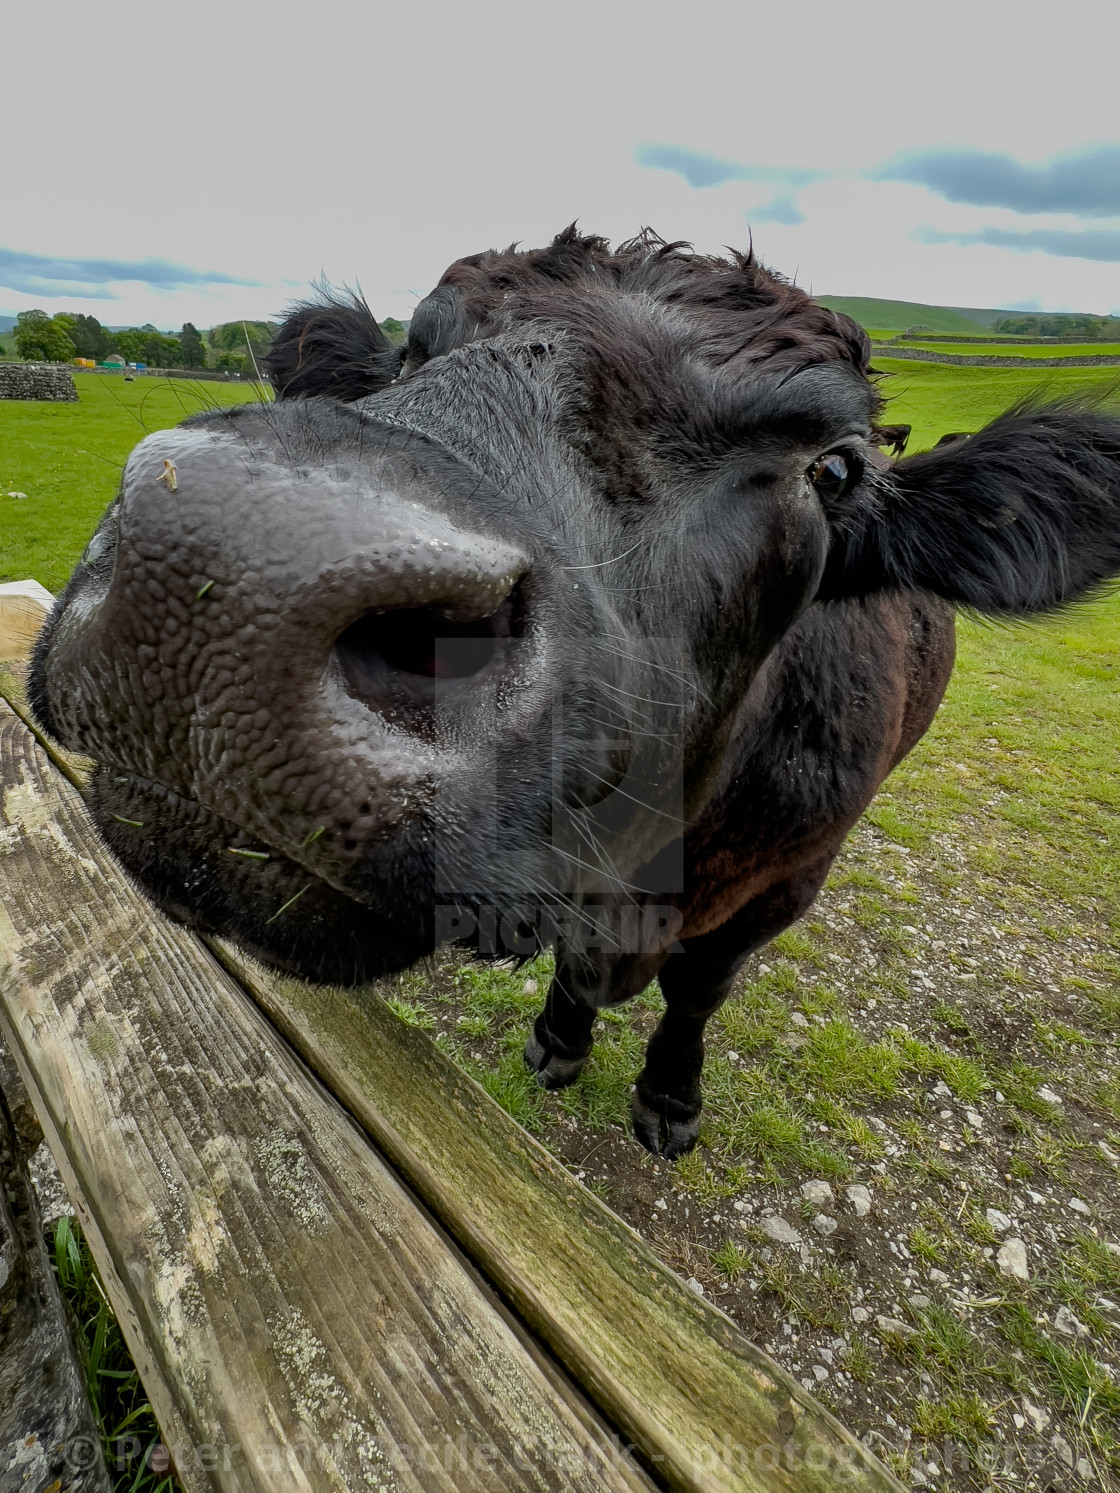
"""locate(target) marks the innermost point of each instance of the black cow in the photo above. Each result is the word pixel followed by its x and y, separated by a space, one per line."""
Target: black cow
pixel 594 617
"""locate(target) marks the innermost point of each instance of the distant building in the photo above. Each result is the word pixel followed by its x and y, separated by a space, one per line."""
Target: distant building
pixel 114 360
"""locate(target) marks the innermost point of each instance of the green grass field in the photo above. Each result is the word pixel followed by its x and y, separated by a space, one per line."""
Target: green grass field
pixel 938 397
pixel 67 459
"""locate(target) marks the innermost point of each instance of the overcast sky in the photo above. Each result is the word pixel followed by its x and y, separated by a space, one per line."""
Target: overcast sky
pixel 206 161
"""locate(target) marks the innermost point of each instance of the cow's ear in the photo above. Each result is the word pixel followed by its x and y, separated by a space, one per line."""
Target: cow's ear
pixel 1023 516
pixel 333 347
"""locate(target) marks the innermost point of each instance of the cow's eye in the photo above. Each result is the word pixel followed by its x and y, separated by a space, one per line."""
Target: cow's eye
pixel 832 475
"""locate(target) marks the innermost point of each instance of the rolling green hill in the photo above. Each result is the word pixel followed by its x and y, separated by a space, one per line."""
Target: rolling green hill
pixel 896 316
pixel 876 315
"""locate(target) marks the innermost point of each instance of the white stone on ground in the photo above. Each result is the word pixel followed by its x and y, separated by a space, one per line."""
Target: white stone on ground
pixel 1039 1419
pixel 1012 1260
pixel 775 1227
pixel 895 1327
pixel 1065 1322
pixel 860 1198
pixel 817 1193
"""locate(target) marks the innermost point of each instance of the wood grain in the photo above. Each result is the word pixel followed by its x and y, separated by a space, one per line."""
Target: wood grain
pixel 299 1320
pixel 705 1407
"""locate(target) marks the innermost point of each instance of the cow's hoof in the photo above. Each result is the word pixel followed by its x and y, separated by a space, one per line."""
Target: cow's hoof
pixel 664 1134
pixel 552 1071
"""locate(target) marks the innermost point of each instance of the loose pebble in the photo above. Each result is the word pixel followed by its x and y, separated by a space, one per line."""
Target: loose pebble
pixel 1039 1419
pixel 1067 1324
pixel 896 1328
pixel 999 1221
pixel 1012 1260
pixel 824 1225
pixel 860 1198
pixel 1062 1447
pixel 775 1227
pixel 817 1193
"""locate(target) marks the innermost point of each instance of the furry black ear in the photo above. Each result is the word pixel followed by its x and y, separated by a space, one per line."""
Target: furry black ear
pixel 332 347
pixel 1021 517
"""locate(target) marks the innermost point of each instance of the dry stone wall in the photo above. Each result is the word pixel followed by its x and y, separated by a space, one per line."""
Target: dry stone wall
pixel 37 381
pixel 993 360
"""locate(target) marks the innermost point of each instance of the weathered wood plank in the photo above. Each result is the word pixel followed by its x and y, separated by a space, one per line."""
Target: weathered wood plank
pixel 298 1319
pixel 24 606
pixel 48 1437
pixel 705 1407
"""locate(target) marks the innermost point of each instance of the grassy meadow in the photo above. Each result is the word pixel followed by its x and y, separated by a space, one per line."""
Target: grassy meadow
pixel 941 1029
pixel 67 458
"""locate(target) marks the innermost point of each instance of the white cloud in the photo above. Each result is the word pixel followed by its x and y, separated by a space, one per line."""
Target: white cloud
pixel 377 143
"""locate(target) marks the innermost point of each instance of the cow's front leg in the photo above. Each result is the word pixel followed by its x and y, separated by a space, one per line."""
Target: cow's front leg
pixel 585 982
pixel 695 982
pixel 665 1109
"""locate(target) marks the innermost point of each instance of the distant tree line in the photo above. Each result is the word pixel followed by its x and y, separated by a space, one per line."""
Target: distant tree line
pixel 1062 324
pixel 236 346
pixel 65 336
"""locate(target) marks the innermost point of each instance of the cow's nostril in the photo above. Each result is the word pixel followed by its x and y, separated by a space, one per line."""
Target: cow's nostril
pixel 426 644
pixel 385 655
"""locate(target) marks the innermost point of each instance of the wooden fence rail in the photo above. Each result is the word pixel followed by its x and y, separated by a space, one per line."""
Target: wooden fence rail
pixel 337 1262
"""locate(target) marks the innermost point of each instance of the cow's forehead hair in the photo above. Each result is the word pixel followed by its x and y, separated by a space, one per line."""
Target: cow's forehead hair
pixel 734 309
